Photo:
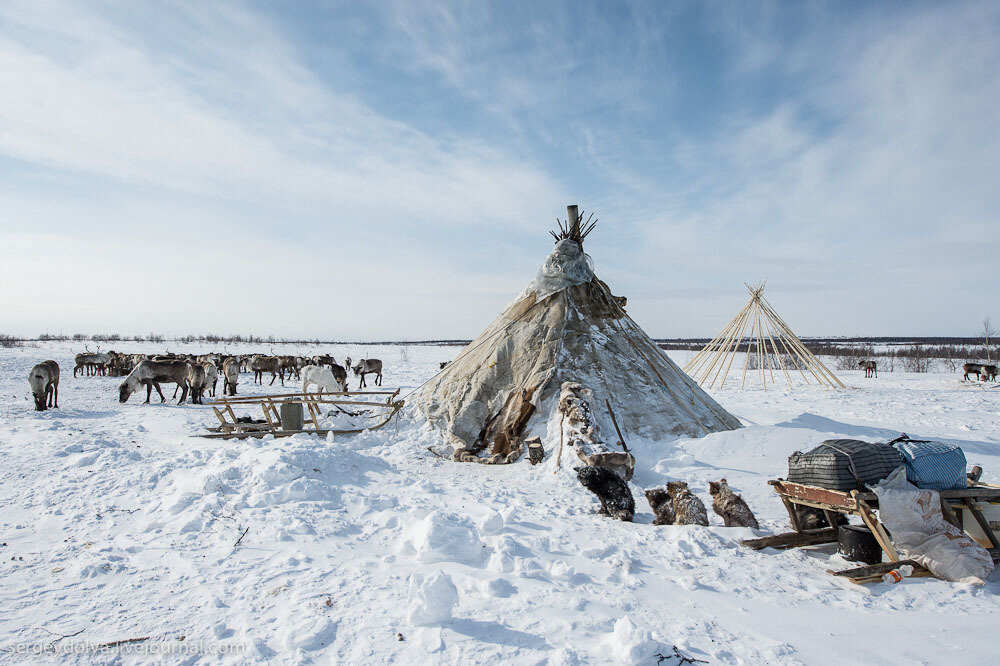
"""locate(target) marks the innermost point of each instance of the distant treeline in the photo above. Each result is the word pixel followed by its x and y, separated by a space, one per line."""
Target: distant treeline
pixel 942 347
pixel 213 338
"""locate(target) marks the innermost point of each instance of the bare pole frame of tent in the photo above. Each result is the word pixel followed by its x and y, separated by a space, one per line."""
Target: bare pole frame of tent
pixel 777 353
pixel 829 376
pixel 739 339
pixel 717 340
pixel 765 333
pixel 732 340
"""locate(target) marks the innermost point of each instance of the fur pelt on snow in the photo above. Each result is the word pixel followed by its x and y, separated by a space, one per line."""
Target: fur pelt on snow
pixel 616 498
pixel 662 506
pixel 734 510
pixel 581 432
pixel 688 509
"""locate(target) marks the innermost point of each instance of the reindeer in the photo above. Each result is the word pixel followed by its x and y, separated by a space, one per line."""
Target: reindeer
pixel 972 369
pixel 196 379
pixel 91 363
pixel 205 377
pixel 289 364
pixel 332 379
pixel 371 366
pixel 44 382
pixel 230 375
pixel 211 377
pixel 870 368
pixel 262 364
pixel 989 373
pixel 151 373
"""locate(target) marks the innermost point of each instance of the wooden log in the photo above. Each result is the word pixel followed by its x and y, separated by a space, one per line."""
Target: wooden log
pixel 793 539
pixel 535 451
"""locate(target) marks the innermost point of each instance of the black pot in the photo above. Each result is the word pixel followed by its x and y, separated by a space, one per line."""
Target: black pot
pixel 858 544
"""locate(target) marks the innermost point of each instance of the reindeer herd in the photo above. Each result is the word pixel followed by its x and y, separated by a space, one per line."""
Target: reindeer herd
pixel 195 374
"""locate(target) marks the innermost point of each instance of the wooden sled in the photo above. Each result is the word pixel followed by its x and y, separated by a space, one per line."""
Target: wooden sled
pixel 230 427
pixel 864 504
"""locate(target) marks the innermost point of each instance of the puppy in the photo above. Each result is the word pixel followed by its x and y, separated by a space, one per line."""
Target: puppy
pixel 732 507
pixel 813 519
pixel 662 506
pixel 616 498
pixel 688 509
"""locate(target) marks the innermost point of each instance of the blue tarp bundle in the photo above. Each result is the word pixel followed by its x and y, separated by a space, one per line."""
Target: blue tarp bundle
pixel 933 465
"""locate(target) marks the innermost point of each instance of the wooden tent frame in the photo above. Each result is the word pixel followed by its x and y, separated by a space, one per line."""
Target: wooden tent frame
pixel 766 335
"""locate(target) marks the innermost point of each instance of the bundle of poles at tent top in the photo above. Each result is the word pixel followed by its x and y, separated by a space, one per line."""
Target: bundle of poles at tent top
pixel 760 332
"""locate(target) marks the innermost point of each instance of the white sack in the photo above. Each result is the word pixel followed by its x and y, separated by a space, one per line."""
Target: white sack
pixel 920 532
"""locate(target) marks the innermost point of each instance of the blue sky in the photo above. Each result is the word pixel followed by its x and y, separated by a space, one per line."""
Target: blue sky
pixel 389 170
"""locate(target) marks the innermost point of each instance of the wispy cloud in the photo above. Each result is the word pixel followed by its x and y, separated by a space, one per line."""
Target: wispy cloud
pixel 412 155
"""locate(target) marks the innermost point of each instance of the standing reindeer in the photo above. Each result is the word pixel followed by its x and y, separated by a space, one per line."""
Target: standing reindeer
pixel 972 369
pixel 261 364
pixel 151 373
pixel 230 375
pixel 988 373
pixel 44 382
pixel 870 368
pixel 371 366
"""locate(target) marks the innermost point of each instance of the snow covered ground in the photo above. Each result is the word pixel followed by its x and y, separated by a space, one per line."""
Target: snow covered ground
pixel 117 524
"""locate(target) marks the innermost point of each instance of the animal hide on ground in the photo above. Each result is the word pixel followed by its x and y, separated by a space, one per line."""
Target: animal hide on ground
pixel 503 430
pixel 616 498
pixel 580 431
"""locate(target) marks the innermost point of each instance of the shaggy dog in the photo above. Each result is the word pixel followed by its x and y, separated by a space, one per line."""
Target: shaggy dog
pixel 814 519
pixel 616 498
pixel 662 506
pixel 729 505
pixel 689 510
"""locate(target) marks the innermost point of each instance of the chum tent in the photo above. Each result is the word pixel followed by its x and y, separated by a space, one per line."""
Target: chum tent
pixel 770 347
pixel 566 326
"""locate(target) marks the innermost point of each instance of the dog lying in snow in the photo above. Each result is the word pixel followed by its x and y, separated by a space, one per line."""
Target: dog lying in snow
pixel 616 498
pixel 662 506
pixel 688 509
pixel 732 507
pixel 811 518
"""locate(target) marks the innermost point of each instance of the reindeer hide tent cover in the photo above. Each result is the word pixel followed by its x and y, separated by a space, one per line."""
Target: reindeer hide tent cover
pixel 565 326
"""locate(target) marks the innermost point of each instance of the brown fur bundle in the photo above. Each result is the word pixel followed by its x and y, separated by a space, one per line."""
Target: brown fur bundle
pixel 662 506
pixel 688 509
pixel 734 510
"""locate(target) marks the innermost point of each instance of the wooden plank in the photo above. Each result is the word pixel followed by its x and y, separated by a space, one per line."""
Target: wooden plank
pixel 219 414
pixel 793 517
pixel 949 513
pixel 917 573
pixel 875 569
pixel 984 525
pixel 793 539
pixel 873 573
pixel 876 528
pixel 833 498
